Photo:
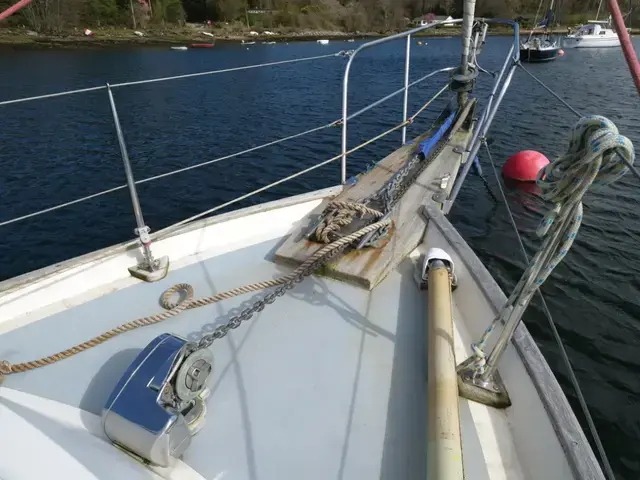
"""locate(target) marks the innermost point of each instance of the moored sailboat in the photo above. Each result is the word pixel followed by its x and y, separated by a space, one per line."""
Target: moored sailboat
pixel 540 48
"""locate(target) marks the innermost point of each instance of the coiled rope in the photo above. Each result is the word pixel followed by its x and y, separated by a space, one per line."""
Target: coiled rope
pixel 340 214
pixel 591 158
pixel 174 307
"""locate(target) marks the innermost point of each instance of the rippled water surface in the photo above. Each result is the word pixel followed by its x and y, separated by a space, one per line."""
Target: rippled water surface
pixel 56 150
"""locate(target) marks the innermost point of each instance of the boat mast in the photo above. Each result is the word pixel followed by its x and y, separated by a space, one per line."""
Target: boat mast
pixel 535 20
pixel 468 13
pixel 550 20
pixel 598 12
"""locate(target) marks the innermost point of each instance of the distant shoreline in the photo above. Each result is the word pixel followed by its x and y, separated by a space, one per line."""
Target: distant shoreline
pixel 126 38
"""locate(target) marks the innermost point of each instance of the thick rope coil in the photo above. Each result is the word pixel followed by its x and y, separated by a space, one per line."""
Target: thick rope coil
pixel 174 307
pixel 593 157
pixel 340 214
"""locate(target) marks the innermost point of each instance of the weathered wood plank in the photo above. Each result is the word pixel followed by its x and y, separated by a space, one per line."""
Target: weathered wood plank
pixel 369 266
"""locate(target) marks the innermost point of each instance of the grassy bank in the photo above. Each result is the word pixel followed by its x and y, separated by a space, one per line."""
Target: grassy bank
pixel 18 38
pixel 123 37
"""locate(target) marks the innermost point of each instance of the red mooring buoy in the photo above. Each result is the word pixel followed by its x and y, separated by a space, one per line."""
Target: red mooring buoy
pixel 524 166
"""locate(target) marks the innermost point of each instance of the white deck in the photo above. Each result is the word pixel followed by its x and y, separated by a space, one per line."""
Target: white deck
pixel 326 383
pixel 306 383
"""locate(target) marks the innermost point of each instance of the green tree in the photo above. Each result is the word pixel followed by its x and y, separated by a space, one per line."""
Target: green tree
pixel 168 11
pixel 104 12
pixel 195 10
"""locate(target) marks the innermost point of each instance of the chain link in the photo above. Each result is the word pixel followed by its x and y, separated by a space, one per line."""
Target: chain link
pixel 220 332
pixel 394 188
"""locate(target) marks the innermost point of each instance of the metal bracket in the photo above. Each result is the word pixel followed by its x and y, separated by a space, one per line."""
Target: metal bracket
pixel 313 224
pixel 157 271
pixel 372 237
pixel 491 391
pixel 441 195
pixel 149 269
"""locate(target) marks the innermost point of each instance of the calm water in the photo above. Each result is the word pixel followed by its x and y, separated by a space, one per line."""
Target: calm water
pixel 57 150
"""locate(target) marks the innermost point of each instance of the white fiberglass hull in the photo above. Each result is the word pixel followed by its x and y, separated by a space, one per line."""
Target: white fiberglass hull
pixel 590 41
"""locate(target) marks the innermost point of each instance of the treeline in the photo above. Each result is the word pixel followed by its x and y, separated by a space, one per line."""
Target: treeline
pixel 344 15
pixel 55 16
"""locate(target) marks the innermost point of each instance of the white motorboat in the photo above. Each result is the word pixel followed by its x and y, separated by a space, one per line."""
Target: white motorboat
pixel 595 34
pixel 370 365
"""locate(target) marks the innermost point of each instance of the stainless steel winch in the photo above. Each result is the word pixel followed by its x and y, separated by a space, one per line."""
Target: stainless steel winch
pixel 159 403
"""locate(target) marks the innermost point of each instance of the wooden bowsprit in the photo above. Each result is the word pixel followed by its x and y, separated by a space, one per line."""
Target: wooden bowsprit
pixel 369 266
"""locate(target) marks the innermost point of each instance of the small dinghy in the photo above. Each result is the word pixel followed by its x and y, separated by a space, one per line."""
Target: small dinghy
pixel 179 48
pixel 323 42
pixel 201 45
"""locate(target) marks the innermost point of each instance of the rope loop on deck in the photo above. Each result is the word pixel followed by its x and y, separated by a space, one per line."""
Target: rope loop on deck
pixel 166 300
pixel 592 158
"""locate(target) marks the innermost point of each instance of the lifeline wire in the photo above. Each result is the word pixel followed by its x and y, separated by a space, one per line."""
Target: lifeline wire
pixel 215 160
pixel 164 79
